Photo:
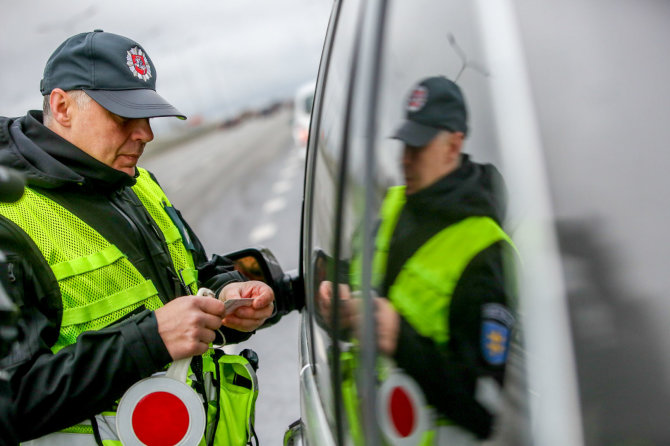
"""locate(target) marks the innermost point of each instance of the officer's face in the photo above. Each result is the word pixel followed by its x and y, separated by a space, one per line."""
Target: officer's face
pixel 425 165
pixel 115 141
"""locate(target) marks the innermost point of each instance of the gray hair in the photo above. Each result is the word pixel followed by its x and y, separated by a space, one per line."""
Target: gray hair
pixel 80 98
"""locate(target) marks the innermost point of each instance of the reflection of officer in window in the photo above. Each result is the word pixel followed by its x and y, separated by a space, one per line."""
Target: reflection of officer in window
pixel 439 261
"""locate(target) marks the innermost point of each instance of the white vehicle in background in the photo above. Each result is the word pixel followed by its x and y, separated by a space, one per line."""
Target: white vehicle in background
pixel 302 112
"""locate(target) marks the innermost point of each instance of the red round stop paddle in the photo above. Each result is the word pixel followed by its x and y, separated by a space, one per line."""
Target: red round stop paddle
pixel 162 410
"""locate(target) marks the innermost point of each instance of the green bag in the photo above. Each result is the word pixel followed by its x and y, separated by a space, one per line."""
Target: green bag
pixel 233 410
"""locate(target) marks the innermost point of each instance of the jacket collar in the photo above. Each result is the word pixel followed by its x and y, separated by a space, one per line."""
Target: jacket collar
pixel 51 161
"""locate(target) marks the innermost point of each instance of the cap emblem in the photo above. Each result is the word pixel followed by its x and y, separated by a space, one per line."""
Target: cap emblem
pixel 417 99
pixel 137 64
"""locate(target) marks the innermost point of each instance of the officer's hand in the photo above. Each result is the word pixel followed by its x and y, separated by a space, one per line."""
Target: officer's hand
pixel 248 318
pixel 388 326
pixel 187 324
pixel 348 308
pixel 387 323
pixel 324 299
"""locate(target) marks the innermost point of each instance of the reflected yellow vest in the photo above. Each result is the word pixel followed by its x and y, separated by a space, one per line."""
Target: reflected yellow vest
pixel 99 286
pixel 423 289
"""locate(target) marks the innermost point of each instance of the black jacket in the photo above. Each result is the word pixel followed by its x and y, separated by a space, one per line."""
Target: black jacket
pixel 448 377
pixel 53 391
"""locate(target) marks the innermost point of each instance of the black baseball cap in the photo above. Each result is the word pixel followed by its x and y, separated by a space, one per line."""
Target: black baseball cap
pixel 113 70
pixel 435 104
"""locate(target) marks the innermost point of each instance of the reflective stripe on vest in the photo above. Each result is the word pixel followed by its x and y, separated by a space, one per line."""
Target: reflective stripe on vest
pixel 82 434
pixel 62 439
pixel 390 212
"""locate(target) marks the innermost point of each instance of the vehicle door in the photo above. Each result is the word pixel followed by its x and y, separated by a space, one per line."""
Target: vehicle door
pixel 375 53
pixel 323 224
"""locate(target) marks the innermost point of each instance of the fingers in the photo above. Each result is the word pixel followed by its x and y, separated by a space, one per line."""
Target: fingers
pixel 388 325
pixel 351 311
pixel 260 292
pixel 199 343
pixel 211 314
pixel 231 291
pixel 253 289
pixel 249 318
pixel 207 336
pixel 326 290
pixel 186 325
pixel 345 291
pixel 208 305
pixel 325 297
pixel 243 324
pixel 263 296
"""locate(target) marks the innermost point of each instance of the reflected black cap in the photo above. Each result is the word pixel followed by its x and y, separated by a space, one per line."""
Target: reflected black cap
pixel 113 70
pixel 435 104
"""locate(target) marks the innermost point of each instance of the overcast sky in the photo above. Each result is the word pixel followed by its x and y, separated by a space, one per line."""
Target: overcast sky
pixel 211 56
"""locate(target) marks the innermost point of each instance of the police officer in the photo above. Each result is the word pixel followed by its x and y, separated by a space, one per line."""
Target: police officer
pixel 440 265
pixel 104 269
pixel 446 220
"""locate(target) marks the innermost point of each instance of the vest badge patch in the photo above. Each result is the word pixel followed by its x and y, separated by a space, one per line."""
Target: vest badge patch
pixel 495 340
pixel 495 333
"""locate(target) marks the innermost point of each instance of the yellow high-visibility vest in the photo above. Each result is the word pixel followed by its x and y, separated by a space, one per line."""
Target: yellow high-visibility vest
pixel 99 286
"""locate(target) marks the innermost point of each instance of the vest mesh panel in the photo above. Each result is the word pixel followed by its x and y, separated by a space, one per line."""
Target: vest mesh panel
pixel 151 194
pixel 79 429
pixel 61 236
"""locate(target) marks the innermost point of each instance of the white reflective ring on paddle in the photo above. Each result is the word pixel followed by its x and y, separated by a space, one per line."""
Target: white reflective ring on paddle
pixel 401 410
pixel 160 411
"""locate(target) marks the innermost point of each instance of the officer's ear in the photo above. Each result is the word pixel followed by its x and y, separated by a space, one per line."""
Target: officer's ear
pixel 455 144
pixel 62 107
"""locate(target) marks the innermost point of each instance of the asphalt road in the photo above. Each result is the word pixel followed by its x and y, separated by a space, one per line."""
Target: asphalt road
pixel 237 188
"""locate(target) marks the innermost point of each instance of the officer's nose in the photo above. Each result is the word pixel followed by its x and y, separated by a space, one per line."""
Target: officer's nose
pixel 142 130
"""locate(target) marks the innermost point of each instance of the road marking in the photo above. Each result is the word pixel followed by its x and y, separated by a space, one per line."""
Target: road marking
pixel 262 233
pixel 285 182
pixel 281 186
pixel 289 171
pixel 274 205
